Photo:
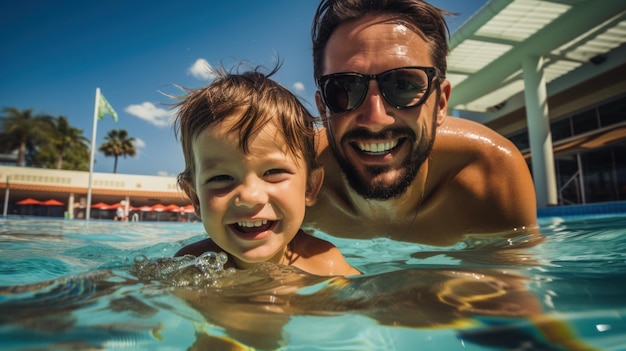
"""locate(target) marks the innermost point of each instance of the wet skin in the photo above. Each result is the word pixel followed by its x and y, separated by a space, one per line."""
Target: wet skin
pixel 473 182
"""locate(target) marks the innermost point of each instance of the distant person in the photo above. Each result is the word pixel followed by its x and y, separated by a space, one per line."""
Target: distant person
pixel 250 172
pixel 395 165
pixel 120 212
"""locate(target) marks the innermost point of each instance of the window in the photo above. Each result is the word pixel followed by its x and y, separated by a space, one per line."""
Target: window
pixel 521 140
pixel 585 121
pixel 613 112
pixel 561 129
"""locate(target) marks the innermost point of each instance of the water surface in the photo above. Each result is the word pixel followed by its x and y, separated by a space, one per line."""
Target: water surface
pixel 107 285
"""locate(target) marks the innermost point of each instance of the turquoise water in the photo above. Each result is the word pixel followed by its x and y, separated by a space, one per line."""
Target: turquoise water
pixel 114 286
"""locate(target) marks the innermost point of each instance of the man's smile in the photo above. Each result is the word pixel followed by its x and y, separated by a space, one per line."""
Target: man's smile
pixel 378 148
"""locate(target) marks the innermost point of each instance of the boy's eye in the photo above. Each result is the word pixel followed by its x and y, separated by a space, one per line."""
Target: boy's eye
pixel 219 178
pixel 276 174
pixel 275 171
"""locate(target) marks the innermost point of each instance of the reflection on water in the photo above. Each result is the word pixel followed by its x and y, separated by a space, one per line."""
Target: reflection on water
pixel 104 290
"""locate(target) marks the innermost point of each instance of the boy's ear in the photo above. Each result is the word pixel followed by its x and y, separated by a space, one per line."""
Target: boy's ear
pixel 196 203
pixel 314 184
pixel 191 194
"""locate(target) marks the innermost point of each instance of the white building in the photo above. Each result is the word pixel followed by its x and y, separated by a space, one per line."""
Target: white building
pixel 551 76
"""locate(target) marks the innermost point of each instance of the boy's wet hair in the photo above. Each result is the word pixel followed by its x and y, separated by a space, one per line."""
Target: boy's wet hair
pixel 256 100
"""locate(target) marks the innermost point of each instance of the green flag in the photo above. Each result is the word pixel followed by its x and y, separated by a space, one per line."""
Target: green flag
pixel 105 108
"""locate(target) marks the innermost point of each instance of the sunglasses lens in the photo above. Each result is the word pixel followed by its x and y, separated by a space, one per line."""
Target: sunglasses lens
pixel 404 87
pixel 344 92
pixel 401 87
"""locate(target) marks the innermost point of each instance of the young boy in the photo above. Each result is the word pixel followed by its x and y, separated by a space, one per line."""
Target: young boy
pixel 250 171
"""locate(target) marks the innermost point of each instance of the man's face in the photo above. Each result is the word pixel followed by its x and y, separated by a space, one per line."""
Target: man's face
pixel 379 147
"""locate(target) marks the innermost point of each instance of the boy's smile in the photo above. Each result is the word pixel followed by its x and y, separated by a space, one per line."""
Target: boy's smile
pixel 252 230
pixel 251 203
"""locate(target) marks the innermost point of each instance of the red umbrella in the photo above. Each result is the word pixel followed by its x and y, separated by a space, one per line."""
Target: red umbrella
pixel 173 208
pixel 158 208
pixel 115 206
pixel 52 202
pixel 29 201
pixel 145 209
pixel 101 206
pixel 189 209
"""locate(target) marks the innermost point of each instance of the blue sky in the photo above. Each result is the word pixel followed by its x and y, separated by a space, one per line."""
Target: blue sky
pixel 53 55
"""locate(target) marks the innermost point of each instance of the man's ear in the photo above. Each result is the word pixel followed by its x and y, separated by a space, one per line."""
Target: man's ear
pixel 444 97
pixel 314 184
pixel 321 106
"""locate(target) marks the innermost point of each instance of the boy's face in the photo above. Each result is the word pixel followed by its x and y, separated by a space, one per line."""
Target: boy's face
pixel 251 205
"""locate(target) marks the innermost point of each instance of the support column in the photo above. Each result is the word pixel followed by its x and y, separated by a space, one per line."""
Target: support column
pixel 540 137
pixel 70 206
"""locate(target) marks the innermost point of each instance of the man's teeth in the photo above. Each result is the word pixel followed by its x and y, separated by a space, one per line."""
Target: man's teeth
pixel 380 147
pixel 251 224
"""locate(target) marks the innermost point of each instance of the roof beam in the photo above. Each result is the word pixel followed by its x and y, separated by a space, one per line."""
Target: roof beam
pixel 482 16
pixel 577 21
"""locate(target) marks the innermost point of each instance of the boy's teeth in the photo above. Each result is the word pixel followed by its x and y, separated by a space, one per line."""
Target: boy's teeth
pixel 379 147
pixel 251 224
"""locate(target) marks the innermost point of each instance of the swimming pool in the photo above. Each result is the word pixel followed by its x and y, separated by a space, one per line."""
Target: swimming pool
pixel 113 286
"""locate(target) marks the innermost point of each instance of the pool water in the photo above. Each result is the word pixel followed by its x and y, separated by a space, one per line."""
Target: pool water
pixel 67 285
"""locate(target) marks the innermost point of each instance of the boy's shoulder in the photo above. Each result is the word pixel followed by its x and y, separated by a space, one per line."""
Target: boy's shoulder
pixel 308 245
pixel 320 257
pixel 198 248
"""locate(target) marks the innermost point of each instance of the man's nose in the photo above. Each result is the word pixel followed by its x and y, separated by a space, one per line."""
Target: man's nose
pixel 373 111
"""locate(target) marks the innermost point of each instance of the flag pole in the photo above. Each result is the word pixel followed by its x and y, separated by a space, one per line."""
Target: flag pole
pixel 6 198
pixel 92 156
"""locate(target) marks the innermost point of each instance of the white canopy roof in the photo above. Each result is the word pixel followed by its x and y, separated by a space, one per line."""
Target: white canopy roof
pixel 578 39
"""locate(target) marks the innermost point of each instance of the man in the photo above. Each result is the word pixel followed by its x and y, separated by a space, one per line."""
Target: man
pixel 395 165
pixel 120 212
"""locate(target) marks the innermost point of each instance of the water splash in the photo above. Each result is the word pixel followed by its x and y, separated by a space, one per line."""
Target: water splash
pixel 206 270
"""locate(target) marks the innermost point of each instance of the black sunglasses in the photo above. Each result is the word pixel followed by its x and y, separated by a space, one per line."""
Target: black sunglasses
pixel 402 87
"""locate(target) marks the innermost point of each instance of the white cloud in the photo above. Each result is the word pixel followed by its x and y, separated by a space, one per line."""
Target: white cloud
pixel 139 143
pixel 159 117
pixel 201 69
pixel 299 87
pixel 163 174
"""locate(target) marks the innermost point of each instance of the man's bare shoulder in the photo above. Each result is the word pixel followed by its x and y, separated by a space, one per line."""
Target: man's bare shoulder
pixel 471 139
pixel 490 174
pixel 466 148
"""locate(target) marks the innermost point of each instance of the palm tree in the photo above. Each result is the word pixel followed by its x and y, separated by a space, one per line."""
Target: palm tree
pixel 118 143
pixel 66 148
pixel 65 138
pixel 23 131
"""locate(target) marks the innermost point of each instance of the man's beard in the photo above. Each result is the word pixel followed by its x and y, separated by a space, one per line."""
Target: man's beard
pixel 380 189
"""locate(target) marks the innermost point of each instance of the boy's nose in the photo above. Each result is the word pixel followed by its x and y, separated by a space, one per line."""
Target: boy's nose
pixel 251 194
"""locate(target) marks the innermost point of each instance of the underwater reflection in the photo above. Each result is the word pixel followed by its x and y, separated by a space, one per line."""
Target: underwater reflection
pixel 253 306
